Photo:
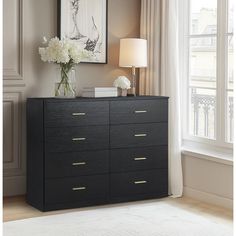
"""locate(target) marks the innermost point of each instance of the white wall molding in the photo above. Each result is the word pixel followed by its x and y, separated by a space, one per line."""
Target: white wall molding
pixel 14 68
pixel 14 83
pixel 12 133
pixel 208 197
pixel 14 153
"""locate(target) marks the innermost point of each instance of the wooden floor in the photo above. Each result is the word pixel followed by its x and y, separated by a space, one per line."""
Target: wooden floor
pixel 15 208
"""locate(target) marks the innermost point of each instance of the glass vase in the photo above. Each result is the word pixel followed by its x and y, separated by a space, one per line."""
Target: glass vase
pixel 66 85
pixel 122 92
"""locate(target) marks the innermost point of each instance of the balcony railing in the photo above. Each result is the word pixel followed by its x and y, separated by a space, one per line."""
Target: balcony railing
pixel 203 116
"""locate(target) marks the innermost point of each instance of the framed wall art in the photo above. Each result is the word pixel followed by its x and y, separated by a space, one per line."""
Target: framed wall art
pixel 85 22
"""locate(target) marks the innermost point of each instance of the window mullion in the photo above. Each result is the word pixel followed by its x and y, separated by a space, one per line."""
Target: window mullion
pixel 185 66
pixel 221 72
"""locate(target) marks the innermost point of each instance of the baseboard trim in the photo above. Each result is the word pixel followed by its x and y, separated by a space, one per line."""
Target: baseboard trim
pixel 208 197
pixel 14 186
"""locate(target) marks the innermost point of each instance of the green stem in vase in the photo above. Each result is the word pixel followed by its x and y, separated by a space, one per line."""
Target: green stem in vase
pixel 65 69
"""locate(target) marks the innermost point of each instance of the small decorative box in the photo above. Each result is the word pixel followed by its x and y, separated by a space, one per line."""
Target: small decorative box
pixel 98 92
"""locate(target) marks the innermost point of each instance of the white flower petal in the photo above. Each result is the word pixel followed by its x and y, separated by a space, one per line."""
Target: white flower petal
pixel 122 82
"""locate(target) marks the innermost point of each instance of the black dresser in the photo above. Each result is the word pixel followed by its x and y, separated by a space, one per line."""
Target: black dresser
pixel 89 151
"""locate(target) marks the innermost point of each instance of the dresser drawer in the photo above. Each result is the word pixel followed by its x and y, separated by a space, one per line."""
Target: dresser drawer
pixel 80 189
pixel 141 182
pixel 133 159
pixel 71 139
pixel 144 111
pixel 76 163
pixel 138 135
pixel 59 114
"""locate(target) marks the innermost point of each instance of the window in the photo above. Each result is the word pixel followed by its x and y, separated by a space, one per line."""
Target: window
pixel 207 62
pixel 229 86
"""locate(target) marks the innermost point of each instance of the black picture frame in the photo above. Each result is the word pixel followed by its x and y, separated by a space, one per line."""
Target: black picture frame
pixel 96 46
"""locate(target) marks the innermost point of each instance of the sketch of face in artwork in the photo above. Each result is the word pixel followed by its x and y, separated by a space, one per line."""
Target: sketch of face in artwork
pixel 87 27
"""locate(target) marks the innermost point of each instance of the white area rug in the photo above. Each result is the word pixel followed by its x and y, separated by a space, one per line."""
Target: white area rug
pixel 144 219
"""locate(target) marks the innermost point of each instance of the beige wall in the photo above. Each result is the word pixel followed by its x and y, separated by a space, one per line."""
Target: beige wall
pixel 40 20
pixel 25 75
pixel 208 181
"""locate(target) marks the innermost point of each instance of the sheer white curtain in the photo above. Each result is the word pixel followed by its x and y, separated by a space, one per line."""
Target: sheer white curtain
pixel 159 25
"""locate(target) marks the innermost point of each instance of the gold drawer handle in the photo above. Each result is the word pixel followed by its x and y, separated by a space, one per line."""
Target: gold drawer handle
pixel 140 135
pixel 140 158
pixel 79 163
pixel 78 139
pixel 140 111
pixel 78 114
pixel 140 182
pixel 78 188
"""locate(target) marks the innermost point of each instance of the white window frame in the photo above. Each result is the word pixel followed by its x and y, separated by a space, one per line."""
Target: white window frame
pixel 222 71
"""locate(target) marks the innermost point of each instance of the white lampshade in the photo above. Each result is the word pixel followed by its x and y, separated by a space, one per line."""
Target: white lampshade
pixel 133 52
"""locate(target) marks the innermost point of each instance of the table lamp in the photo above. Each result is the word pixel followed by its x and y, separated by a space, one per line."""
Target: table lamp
pixel 133 54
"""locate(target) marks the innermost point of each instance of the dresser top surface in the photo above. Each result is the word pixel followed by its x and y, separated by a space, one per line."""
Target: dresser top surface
pixel 128 98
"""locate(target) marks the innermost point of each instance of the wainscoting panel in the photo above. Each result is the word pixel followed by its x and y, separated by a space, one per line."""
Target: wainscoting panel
pixel 8 133
pixel 14 156
pixel 14 153
pixel 12 133
pixel 12 40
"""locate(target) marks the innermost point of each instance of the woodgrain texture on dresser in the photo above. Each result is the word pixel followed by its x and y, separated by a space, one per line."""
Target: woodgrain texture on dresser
pixel 88 151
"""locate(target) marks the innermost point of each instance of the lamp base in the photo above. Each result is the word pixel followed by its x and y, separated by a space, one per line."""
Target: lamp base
pixel 133 85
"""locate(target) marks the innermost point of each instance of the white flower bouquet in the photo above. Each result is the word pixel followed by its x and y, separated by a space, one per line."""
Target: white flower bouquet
pixel 65 53
pixel 122 82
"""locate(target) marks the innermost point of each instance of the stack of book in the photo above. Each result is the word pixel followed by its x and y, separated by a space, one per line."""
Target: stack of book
pixel 98 92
